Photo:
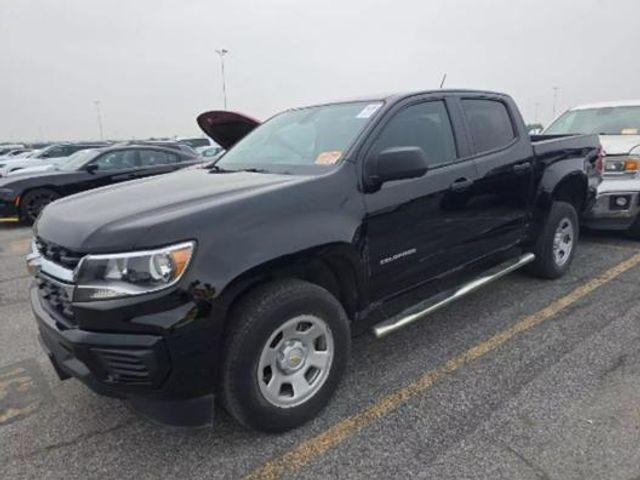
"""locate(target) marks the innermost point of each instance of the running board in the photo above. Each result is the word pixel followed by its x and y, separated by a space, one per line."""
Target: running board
pixel 442 300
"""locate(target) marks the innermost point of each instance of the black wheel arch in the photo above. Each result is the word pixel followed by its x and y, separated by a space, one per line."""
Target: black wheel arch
pixel 336 267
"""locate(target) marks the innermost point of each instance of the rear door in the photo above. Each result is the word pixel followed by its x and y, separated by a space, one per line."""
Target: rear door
pixel 419 228
pixel 504 161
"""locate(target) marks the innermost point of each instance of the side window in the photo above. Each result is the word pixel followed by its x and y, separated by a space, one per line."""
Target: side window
pixel 150 158
pixel 120 160
pixel 425 125
pixel 489 122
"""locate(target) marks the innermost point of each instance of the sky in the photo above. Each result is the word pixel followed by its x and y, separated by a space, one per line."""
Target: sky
pixel 152 63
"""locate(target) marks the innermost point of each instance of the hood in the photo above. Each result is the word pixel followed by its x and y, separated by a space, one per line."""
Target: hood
pixel 226 128
pixel 31 170
pixel 117 217
pixel 24 177
pixel 620 144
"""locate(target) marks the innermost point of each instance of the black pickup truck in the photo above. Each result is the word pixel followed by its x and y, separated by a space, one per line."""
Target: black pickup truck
pixel 245 280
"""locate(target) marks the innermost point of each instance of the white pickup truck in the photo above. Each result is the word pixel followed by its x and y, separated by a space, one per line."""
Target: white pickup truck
pixel 618 124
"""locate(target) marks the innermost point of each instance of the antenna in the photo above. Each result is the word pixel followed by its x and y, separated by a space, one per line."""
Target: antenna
pixel 444 78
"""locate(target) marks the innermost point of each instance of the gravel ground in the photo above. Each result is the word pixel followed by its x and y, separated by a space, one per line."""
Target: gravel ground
pixel 557 400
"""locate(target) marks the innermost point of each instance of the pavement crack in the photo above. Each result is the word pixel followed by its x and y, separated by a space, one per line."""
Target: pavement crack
pixel 538 471
pixel 67 443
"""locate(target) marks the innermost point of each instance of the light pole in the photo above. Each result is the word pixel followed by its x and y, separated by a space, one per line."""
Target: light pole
pixel 97 103
pixel 555 100
pixel 222 53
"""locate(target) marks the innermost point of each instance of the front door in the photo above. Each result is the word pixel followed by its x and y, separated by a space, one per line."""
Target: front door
pixel 419 228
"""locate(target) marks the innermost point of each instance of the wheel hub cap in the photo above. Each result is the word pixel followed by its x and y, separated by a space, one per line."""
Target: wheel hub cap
pixel 563 242
pixel 291 356
pixel 295 361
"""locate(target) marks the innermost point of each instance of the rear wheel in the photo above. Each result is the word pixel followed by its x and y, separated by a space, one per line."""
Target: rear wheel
pixel 34 201
pixel 556 245
pixel 284 355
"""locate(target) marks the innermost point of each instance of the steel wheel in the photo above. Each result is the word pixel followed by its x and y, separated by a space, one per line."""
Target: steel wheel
pixel 563 241
pixel 295 361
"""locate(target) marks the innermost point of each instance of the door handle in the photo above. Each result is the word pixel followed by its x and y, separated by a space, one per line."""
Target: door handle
pixel 461 184
pixel 522 167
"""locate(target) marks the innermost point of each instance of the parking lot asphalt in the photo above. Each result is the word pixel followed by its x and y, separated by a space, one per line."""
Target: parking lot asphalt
pixel 526 379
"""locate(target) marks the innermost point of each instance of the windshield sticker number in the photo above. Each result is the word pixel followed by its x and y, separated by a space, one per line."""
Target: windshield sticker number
pixel 328 158
pixel 369 110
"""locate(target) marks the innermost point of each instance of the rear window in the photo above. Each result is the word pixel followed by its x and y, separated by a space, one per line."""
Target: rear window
pixel 490 124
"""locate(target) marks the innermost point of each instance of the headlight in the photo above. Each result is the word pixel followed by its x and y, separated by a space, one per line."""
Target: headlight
pixel 102 277
pixel 621 164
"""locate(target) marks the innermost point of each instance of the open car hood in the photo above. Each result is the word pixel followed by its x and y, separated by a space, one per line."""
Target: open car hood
pixel 226 128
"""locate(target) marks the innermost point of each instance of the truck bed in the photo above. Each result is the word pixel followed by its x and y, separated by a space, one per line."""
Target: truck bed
pixel 544 145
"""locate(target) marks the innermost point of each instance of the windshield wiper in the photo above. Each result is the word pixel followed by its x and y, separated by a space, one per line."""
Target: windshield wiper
pixel 216 169
pixel 253 170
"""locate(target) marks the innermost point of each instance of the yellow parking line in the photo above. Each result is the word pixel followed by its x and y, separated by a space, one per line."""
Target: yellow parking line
pixel 293 460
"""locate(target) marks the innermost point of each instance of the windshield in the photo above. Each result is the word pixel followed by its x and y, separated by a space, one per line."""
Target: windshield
pixel 77 160
pixel 311 138
pixel 603 121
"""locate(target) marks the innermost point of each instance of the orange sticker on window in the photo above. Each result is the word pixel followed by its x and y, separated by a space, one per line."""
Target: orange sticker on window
pixel 328 158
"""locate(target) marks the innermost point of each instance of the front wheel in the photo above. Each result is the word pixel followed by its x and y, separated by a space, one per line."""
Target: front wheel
pixel 285 353
pixel 34 201
pixel 556 245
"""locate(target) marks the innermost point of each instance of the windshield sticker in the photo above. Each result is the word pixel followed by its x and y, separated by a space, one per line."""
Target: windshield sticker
pixel 328 158
pixel 630 131
pixel 369 110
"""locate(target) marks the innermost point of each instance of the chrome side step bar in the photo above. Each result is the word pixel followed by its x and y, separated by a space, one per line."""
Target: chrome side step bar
pixel 403 319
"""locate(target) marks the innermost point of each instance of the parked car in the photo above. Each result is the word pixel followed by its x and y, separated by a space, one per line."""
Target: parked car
pixel 618 125
pixel 165 144
pixel 245 281
pixel 199 144
pixel 46 158
pixel 6 148
pixel 22 197
pixel 17 152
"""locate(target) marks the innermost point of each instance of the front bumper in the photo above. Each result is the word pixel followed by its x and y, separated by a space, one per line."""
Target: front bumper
pixel 9 211
pixel 138 367
pixel 606 213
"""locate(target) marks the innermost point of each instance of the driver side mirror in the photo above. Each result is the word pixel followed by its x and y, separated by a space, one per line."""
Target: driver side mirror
pixel 395 163
pixel 91 168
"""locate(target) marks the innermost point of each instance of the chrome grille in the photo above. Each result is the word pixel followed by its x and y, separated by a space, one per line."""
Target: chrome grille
pixel 56 296
pixel 58 254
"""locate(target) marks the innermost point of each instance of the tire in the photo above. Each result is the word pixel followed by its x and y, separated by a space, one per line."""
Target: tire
pixel 554 255
pixel 634 230
pixel 34 201
pixel 251 370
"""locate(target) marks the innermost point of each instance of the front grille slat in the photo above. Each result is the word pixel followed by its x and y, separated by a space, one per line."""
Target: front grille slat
pixel 56 297
pixel 57 254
